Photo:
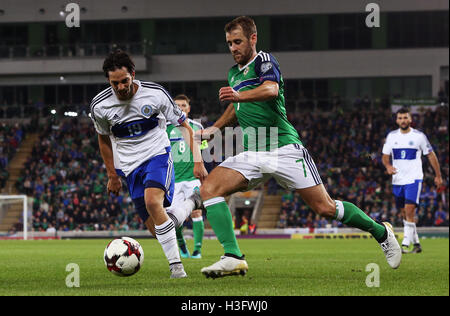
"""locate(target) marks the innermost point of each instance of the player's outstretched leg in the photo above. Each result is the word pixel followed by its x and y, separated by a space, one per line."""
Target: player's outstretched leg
pixel 349 214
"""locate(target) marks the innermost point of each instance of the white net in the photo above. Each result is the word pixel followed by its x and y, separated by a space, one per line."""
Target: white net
pixel 15 216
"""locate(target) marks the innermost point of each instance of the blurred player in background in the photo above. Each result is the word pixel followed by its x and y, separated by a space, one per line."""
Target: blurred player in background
pixel 406 146
pixel 185 181
pixel 134 113
pixel 256 94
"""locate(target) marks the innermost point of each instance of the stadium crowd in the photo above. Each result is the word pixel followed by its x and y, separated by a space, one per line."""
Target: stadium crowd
pixel 346 147
pixel 10 138
pixel 66 177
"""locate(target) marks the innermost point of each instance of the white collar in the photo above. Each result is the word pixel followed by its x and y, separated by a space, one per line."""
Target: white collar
pixel 249 62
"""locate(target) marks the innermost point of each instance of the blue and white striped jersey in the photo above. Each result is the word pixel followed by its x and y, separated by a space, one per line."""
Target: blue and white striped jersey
pixel 138 125
pixel 406 151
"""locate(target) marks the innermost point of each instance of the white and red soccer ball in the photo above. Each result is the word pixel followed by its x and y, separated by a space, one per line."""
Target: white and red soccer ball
pixel 123 256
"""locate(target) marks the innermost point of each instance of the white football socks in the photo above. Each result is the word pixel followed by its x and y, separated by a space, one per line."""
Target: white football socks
pixel 166 236
pixel 408 229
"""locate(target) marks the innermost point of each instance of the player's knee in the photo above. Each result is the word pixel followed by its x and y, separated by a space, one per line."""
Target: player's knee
pixel 410 212
pixel 208 191
pixel 153 205
pixel 327 209
pixel 196 213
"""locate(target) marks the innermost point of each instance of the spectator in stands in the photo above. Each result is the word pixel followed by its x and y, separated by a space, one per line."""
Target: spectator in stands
pixel 282 223
pixel 244 225
pixel 273 187
pixel 427 220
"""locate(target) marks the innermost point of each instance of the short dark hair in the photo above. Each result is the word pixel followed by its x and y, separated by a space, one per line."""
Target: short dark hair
pixel 247 24
pixel 403 110
pixel 116 60
pixel 182 97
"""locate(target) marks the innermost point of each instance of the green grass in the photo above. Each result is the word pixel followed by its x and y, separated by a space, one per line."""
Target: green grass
pixel 276 267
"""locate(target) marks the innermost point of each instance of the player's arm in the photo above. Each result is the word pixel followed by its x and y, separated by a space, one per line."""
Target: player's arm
pixel 114 184
pixel 434 162
pixel 188 135
pixel 265 92
pixel 385 159
pixel 228 118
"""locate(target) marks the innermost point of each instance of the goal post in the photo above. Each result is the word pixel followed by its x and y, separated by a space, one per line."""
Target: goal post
pixel 11 205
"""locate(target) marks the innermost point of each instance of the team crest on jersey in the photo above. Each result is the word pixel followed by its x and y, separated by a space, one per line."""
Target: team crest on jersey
pixel 411 143
pixel 246 71
pixel 147 110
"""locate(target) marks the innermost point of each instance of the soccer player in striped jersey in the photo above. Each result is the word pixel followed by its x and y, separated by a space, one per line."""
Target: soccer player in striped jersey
pixel 134 114
pixel 256 97
pixel 185 181
pixel 406 146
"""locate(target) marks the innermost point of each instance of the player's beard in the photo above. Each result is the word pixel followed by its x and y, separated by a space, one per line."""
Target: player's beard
pixel 127 96
pixel 405 127
pixel 246 55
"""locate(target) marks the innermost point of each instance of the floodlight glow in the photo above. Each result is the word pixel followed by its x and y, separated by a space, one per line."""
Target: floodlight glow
pixel 71 114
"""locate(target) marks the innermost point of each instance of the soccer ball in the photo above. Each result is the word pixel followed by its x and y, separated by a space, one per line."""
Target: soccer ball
pixel 123 256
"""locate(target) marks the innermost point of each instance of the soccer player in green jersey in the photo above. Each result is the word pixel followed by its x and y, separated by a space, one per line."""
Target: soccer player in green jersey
pixel 185 181
pixel 256 97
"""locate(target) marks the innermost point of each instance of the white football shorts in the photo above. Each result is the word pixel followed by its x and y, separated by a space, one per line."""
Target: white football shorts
pixel 183 190
pixel 291 166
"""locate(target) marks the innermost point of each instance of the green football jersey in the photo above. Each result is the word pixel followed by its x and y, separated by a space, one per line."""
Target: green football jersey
pixel 183 161
pixel 264 124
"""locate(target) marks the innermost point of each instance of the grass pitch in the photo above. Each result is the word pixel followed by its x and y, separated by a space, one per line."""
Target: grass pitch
pixel 277 267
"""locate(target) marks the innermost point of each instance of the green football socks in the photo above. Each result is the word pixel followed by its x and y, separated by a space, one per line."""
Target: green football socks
pixel 219 217
pixel 180 239
pixel 198 228
pixel 349 214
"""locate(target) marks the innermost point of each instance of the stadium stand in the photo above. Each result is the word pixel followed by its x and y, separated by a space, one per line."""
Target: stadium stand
pixel 11 136
pixel 67 180
pixel 347 148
